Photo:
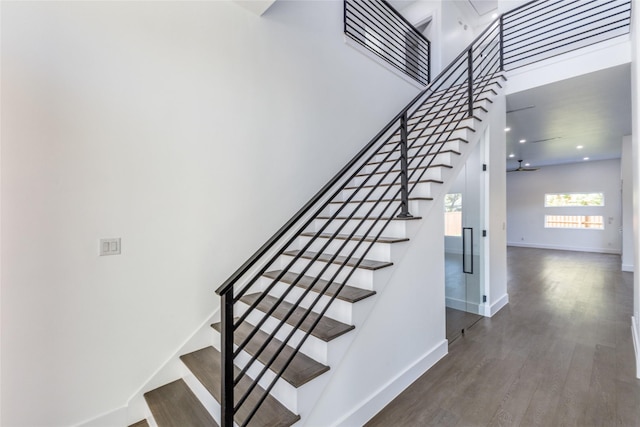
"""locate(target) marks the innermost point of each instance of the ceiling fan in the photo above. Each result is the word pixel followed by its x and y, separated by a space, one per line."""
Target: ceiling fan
pixel 522 169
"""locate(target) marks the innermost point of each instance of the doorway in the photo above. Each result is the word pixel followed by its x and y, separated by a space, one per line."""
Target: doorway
pixel 464 255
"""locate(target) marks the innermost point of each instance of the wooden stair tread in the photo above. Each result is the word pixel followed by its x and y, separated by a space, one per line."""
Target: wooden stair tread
pixel 431 133
pixel 439 165
pixel 412 145
pixel 302 368
pixel 347 293
pixel 446 100
pixel 174 405
pixel 366 264
pixel 205 365
pixel 380 239
pixel 326 329
pixel 141 423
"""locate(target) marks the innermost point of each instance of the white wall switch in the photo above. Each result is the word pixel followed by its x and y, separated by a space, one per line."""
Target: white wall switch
pixel 110 246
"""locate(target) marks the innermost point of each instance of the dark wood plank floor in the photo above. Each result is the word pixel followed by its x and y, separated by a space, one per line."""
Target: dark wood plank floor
pixel 559 354
pixel 458 320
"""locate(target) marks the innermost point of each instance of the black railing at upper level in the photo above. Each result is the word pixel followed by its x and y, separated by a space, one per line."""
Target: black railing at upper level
pixel 544 29
pixel 378 181
pixel 377 26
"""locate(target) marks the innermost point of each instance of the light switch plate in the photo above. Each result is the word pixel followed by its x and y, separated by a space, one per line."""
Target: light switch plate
pixel 110 246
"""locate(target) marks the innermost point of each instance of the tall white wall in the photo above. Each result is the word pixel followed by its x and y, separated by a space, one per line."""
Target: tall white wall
pixel 635 154
pixel 526 211
pixel 192 130
pixel 626 175
pixel 496 210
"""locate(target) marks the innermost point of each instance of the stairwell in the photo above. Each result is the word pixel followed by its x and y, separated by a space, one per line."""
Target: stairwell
pixel 295 310
pixel 435 143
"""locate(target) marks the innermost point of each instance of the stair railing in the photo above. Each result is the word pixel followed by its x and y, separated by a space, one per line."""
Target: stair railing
pixel 393 163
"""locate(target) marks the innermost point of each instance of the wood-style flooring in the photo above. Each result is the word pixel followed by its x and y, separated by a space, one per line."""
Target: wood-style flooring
pixel 457 321
pixel 560 354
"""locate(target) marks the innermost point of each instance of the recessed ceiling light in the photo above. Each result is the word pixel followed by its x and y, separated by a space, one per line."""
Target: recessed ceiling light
pixel 507 129
pixel 522 141
pixel 586 158
pixel 511 156
pixel 580 147
pixel 527 164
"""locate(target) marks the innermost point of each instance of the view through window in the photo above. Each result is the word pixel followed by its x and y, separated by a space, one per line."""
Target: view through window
pixel 453 214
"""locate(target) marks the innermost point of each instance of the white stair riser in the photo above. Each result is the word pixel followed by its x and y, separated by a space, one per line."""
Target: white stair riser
pixel 446 158
pixel 427 136
pixel 392 151
pixel 362 207
pixel 452 104
pixel 431 173
pixel 313 347
pixel 338 310
pixel 375 251
pixel 361 277
pixel 392 229
pixel 455 145
pixel 284 392
pixel 423 189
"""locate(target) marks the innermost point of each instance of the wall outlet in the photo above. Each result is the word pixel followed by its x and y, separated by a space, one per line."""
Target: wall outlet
pixel 110 246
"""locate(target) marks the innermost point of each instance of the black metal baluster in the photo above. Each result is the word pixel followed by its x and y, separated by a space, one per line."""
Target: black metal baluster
pixel 404 166
pixel 226 317
pixel 470 78
pixel 501 37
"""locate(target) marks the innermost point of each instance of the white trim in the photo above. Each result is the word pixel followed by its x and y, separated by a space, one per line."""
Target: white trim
pixel 565 248
pixel 636 344
pixel 462 305
pixel 627 267
pixel 116 417
pixel 498 305
pixel 381 397
pixel 375 58
pixel 171 369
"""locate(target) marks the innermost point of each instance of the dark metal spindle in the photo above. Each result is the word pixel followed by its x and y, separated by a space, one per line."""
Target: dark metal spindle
pixel 226 355
pixel 501 38
pixel 470 77
pixel 404 169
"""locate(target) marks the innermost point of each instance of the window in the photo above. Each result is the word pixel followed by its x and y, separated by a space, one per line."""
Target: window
pixel 592 222
pixel 453 214
pixel 573 199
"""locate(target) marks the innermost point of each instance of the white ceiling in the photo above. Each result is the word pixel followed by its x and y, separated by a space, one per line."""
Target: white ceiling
pixel 593 110
pixel 482 7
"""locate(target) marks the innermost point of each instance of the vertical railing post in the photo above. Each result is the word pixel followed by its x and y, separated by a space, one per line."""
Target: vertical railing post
pixel 470 78
pixel 227 401
pixel 404 168
pixel 501 42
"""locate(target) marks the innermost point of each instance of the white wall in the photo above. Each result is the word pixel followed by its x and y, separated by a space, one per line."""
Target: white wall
pixel 626 175
pixel 526 211
pixel 192 130
pixel 635 153
pixel 496 210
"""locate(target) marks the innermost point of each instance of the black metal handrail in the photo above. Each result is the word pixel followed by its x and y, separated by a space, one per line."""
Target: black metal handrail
pixel 378 26
pixel 389 169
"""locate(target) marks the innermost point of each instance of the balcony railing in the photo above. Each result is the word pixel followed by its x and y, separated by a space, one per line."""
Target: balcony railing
pixel 377 26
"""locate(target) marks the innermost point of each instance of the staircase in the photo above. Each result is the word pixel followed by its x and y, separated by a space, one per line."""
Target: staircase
pixel 290 313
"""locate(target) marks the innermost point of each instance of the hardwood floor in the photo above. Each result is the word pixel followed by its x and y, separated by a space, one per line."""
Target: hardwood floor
pixel 458 320
pixel 559 354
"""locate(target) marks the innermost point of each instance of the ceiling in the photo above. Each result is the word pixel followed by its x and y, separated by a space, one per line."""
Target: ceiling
pixel 592 111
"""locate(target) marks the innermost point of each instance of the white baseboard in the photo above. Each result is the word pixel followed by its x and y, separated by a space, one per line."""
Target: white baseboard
pixel 565 248
pixel 461 305
pixel 627 267
pixel 498 305
pixel 117 417
pixel 636 344
pixel 381 397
